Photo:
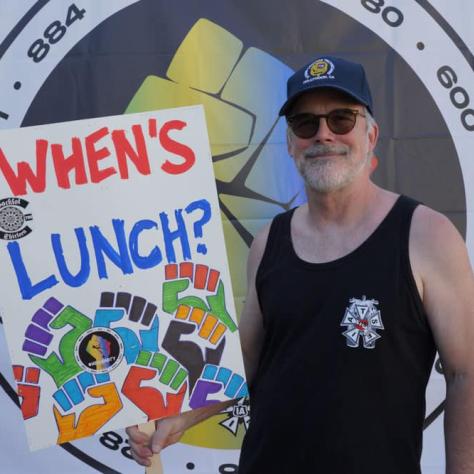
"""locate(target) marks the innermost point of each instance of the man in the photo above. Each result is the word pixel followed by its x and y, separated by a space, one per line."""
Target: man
pixel 349 296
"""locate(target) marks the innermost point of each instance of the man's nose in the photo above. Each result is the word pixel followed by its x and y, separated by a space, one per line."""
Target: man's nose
pixel 324 133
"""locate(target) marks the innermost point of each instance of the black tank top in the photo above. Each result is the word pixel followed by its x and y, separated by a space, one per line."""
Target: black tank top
pixel 347 353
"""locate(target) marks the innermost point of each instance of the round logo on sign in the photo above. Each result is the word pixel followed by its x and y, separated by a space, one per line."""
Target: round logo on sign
pixel 99 350
pixel 13 219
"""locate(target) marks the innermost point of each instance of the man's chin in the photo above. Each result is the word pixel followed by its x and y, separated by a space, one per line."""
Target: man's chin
pixel 328 183
pixel 324 186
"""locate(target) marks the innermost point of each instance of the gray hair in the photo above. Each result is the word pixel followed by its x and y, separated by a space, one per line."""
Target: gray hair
pixel 370 120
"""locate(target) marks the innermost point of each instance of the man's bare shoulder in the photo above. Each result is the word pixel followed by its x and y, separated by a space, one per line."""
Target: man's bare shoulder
pixel 438 254
pixel 433 236
pixel 440 259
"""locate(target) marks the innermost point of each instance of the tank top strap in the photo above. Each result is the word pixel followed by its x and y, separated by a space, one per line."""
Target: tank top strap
pixel 277 249
pixel 394 230
pixel 405 208
pixel 279 237
pixel 399 220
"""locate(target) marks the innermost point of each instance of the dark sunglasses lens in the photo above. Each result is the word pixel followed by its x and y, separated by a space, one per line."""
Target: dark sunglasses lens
pixel 304 125
pixel 341 121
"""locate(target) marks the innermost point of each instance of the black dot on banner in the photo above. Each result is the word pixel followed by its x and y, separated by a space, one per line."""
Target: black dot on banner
pixel 190 466
pixel 17 85
pixel 420 46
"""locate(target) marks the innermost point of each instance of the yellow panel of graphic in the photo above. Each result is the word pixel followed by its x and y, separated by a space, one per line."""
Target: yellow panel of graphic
pixel 225 136
pixel 209 71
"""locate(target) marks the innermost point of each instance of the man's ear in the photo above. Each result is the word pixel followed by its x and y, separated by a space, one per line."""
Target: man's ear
pixel 289 141
pixel 373 136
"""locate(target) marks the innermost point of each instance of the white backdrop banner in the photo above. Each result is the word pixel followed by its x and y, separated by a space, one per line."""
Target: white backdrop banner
pixel 63 62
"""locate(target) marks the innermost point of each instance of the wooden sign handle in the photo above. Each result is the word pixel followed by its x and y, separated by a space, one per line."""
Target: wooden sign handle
pixel 156 466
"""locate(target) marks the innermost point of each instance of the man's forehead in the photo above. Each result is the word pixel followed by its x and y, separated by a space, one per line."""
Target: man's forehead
pixel 324 95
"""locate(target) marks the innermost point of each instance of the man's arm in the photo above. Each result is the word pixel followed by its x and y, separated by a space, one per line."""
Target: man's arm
pixel 444 277
pixel 251 321
pixel 169 430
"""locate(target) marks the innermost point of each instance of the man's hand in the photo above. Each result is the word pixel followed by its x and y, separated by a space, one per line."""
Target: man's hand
pixel 168 431
pixel 143 446
pixel 140 444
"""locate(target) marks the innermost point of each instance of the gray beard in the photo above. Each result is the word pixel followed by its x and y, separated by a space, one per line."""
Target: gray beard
pixel 329 174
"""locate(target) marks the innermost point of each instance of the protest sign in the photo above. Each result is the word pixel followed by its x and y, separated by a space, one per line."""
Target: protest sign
pixel 117 301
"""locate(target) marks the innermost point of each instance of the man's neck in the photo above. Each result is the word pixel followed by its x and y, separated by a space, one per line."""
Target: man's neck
pixel 332 225
pixel 345 207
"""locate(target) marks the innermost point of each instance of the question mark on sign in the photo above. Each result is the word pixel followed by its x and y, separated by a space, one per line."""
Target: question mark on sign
pixel 205 207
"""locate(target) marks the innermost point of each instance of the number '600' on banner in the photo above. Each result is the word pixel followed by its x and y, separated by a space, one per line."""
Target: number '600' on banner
pixel 116 296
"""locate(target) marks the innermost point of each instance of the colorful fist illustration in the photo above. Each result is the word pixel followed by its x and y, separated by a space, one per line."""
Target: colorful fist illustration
pixel 54 315
pixel 155 403
pixel 28 390
pixel 206 317
pixel 114 307
pixel 89 420
pixel 216 379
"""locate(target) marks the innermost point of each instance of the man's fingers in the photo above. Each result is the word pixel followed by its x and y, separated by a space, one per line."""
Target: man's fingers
pixel 140 460
pixel 160 437
pixel 141 456
pixel 140 445
pixel 136 435
pixel 168 431
pixel 142 450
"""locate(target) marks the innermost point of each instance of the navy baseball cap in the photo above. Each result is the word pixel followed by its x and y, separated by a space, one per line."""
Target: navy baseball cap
pixel 329 71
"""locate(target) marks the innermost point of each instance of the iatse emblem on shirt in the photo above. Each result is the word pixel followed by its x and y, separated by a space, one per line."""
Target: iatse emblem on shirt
pixel 362 319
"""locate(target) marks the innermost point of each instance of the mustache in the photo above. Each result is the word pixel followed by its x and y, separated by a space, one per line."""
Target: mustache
pixel 320 149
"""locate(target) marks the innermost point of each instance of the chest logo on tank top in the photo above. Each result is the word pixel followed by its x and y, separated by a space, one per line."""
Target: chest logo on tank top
pixel 362 319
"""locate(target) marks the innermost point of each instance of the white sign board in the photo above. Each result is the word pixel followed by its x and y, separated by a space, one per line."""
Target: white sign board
pixel 117 300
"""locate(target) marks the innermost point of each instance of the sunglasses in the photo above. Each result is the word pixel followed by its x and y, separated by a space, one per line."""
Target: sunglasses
pixel 339 121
